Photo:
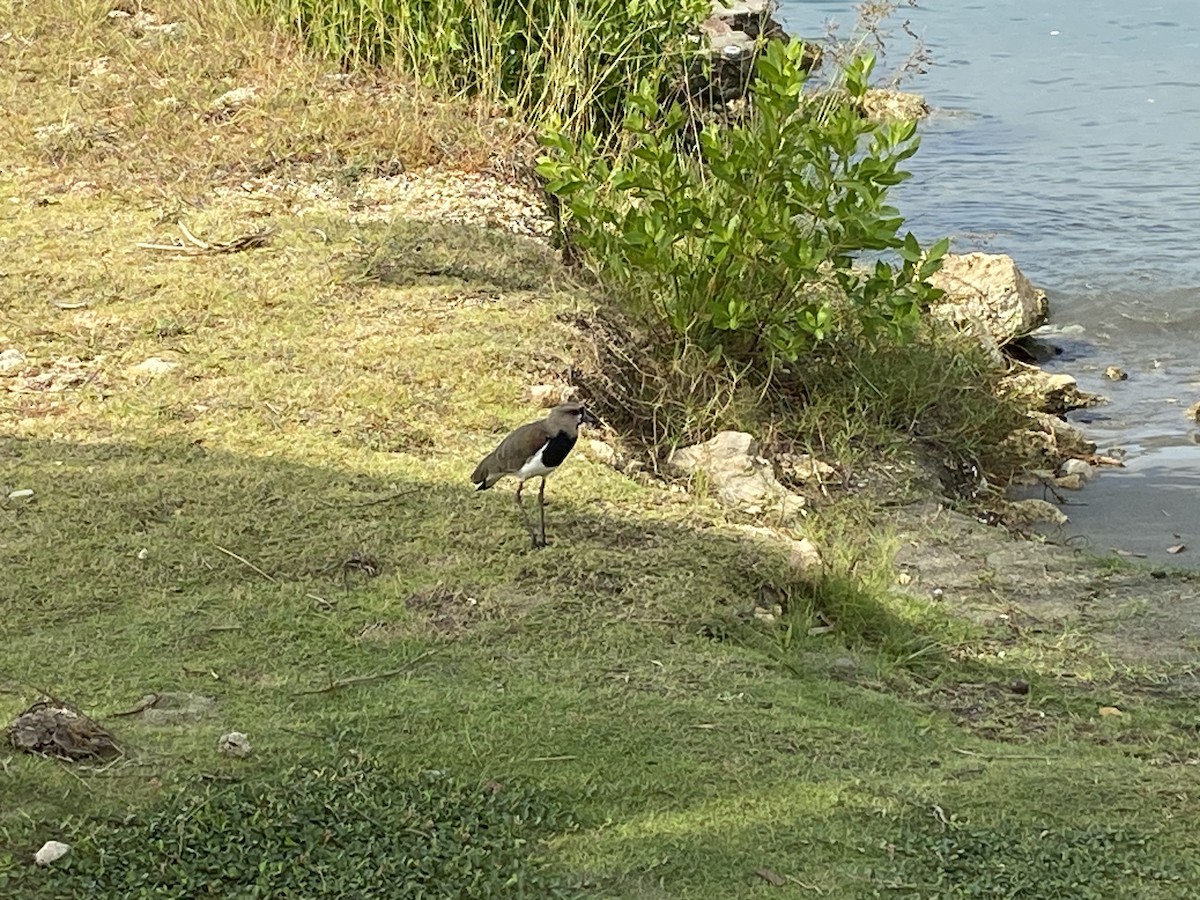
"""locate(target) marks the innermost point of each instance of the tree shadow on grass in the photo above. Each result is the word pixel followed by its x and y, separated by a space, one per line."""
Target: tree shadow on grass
pixel 275 585
pixel 108 521
pixel 167 545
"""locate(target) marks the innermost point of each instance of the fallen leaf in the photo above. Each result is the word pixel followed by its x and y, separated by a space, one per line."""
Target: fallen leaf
pixel 770 877
pixel 1110 711
pixel 1128 553
pixel 1177 548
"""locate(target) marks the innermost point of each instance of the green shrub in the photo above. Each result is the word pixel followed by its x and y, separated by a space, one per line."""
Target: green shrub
pixel 755 245
pixel 352 830
pixel 574 57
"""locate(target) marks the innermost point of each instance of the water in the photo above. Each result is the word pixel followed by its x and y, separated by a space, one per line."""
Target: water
pixel 1073 145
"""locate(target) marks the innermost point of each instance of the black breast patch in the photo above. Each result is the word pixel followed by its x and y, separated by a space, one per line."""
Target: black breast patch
pixel 556 449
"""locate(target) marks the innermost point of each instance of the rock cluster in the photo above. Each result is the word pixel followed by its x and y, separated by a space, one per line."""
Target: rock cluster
pixel 737 475
pixel 987 297
pixel 53 729
pixel 731 35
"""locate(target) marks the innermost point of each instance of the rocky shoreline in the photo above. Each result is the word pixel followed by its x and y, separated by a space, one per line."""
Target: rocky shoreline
pixel 986 296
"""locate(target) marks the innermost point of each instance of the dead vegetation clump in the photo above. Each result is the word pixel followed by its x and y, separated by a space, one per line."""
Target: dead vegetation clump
pixel 53 728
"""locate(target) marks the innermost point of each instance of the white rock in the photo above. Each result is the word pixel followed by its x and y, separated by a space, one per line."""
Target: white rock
pixel 1077 467
pixel 885 104
pixel 1043 391
pixel 987 294
pixel 56 131
pixel 802 553
pixel 234 98
pixel 21 494
pixel 601 452
pixel 154 366
pixel 1060 439
pixel 11 360
pixel 234 744
pixel 51 850
pixel 1070 482
pixel 172 30
pixel 1022 513
pixel 738 476
pixel 804 467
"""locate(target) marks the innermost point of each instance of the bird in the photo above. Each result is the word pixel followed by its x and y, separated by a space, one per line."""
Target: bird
pixel 535 449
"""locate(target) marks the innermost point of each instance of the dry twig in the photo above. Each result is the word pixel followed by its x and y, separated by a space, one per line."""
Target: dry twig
pixel 247 563
pixel 994 757
pixel 194 246
pixel 367 679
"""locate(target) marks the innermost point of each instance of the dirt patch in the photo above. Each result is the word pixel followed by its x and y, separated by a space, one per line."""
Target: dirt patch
pixel 53 376
pixel 447 610
pixel 443 610
pixel 171 708
pixel 993 711
pixel 429 195
pixel 1139 616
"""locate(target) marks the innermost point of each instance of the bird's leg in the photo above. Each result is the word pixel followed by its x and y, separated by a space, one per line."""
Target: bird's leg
pixel 525 513
pixel 542 508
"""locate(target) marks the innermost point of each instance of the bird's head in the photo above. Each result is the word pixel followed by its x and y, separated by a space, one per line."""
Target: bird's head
pixel 576 412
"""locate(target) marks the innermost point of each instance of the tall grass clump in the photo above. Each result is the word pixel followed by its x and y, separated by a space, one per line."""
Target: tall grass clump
pixel 576 58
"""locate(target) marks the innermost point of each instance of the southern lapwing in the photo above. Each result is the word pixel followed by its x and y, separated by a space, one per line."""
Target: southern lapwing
pixel 534 450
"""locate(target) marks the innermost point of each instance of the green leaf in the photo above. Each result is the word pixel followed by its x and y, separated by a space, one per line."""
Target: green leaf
pixel 939 249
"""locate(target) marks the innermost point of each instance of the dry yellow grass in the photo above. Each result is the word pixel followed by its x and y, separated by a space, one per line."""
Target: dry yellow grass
pixel 132 103
pixel 113 142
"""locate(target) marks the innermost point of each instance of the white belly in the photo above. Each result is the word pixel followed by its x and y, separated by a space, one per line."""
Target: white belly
pixel 533 468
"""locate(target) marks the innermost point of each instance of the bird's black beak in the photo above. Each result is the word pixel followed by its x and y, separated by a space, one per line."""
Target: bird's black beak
pixel 588 419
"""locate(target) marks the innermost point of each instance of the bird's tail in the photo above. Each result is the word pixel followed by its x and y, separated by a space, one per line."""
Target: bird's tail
pixel 481 477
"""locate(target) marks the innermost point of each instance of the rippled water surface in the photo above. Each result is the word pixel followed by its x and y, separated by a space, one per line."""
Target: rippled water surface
pixel 1068 135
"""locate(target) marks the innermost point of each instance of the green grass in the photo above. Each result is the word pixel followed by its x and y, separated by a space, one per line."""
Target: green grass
pixel 284 523
pixel 573 61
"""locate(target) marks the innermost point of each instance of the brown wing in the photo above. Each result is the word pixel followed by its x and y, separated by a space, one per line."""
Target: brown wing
pixel 512 453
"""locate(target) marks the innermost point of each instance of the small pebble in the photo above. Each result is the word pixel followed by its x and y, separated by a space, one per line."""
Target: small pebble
pixel 153 366
pixel 234 744
pixel 51 851
pixel 11 360
pixel 1076 467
